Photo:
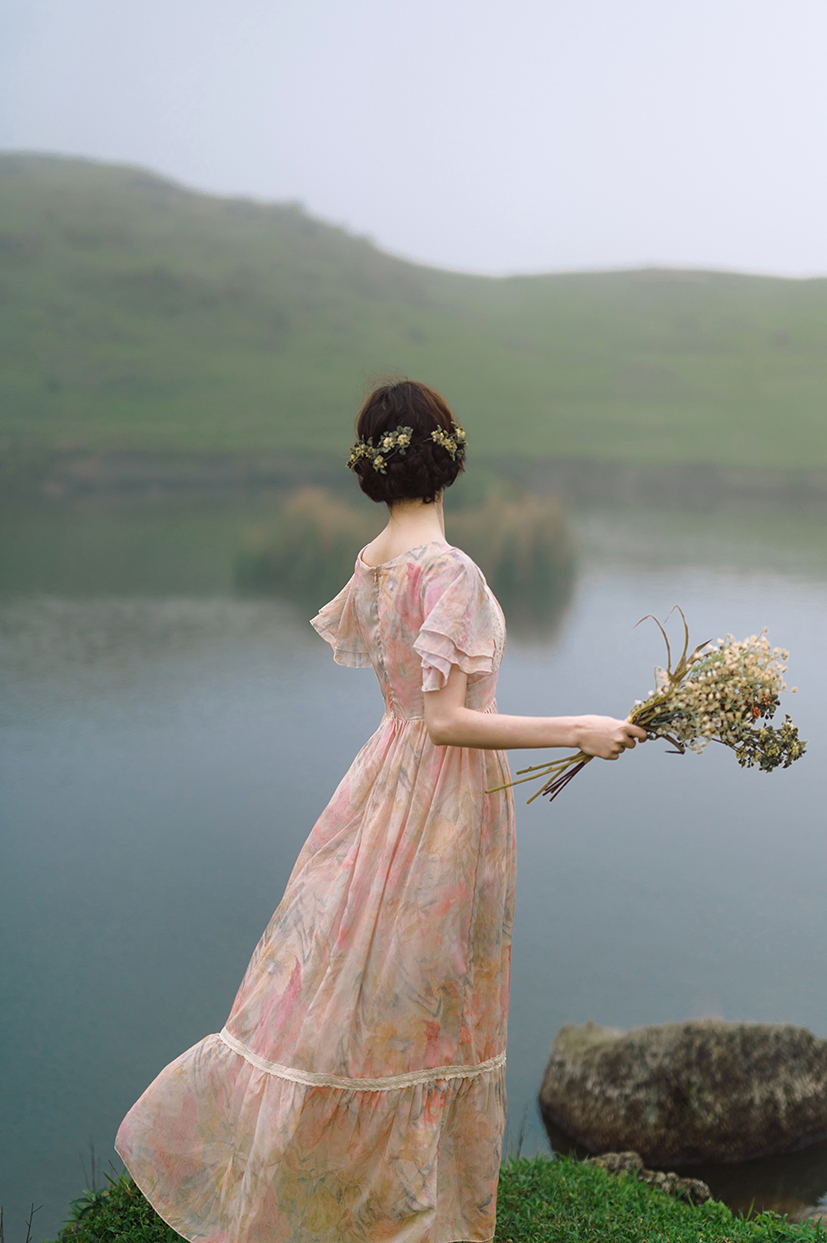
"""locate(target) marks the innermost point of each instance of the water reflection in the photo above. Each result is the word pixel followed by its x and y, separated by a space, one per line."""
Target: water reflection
pixel 783 1184
pixel 167 744
pixel 780 1184
pixel 520 540
pixel 295 547
pixel 98 547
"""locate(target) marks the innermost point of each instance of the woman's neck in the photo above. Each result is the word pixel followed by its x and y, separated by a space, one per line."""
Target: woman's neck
pixel 410 524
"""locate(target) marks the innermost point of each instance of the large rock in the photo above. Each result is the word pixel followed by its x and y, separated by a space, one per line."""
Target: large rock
pixel 680 1093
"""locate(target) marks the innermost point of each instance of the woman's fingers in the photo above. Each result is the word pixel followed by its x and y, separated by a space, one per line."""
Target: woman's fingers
pixel 608 737
pixel 629 737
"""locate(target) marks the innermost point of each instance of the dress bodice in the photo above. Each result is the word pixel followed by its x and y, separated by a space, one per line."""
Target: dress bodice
pixel 414 617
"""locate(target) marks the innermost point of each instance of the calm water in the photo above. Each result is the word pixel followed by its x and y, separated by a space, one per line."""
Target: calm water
pixel 167 746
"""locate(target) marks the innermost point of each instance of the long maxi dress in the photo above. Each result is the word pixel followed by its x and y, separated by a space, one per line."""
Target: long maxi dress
pixel 357 1092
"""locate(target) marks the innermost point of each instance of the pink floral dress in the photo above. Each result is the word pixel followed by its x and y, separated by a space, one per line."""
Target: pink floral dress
pixel 357 1091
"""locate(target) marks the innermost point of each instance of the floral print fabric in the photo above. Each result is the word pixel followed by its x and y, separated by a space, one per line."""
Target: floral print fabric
pixel 357 1092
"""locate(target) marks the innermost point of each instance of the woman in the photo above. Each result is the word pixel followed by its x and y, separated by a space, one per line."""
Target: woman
pixel 357 1090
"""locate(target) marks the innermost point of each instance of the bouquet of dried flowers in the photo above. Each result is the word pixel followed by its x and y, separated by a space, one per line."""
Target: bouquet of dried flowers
pixel 720 692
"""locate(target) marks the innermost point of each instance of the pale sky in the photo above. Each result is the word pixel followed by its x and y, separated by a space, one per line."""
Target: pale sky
pixel 485 135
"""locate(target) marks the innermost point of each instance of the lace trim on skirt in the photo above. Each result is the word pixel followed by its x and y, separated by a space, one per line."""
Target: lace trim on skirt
pixel 387 1084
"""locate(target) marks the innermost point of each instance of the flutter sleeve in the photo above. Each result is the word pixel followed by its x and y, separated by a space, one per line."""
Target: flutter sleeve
pixel 461 621
pixel 338 625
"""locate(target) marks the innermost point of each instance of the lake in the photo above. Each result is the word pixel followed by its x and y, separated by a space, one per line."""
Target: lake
pixel 168 742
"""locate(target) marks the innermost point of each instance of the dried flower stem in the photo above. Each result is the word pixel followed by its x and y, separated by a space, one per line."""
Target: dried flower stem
pixel 719 692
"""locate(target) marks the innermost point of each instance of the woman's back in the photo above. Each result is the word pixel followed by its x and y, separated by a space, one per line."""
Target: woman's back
pixel 411 618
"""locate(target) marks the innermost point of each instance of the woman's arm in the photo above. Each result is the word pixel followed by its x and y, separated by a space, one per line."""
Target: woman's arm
pixel 451 724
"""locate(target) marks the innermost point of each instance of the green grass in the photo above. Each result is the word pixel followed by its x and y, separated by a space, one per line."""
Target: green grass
pixel 539 1201
pixel 119 1211
pixel 139 316
pixel 568 1201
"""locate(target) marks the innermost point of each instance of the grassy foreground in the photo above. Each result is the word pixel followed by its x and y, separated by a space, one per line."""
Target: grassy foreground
pixel 137 316
pixel 539 1201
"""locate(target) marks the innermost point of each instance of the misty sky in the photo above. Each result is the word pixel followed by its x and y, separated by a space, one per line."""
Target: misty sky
pixel 487 135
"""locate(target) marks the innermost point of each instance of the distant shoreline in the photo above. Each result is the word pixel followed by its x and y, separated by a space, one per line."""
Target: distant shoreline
pixel 142 476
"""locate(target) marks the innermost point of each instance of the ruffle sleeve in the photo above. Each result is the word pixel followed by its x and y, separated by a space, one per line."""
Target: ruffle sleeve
pixel 338 625
pixel 462 624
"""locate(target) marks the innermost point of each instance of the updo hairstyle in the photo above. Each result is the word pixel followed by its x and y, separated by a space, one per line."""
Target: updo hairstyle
pixel 426 468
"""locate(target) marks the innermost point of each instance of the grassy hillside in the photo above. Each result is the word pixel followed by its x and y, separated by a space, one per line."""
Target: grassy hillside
pixel 139 316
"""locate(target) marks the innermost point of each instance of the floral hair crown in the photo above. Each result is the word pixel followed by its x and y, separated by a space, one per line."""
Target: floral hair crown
pixel 398 441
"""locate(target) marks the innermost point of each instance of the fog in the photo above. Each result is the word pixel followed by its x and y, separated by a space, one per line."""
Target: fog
pixel 484 136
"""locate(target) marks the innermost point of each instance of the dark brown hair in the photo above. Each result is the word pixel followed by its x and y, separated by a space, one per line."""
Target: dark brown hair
pixel 426 467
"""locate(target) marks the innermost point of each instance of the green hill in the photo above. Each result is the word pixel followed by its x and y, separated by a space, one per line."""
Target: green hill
pixel 136 315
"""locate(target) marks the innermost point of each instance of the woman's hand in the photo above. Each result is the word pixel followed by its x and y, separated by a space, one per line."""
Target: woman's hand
pixel 606 737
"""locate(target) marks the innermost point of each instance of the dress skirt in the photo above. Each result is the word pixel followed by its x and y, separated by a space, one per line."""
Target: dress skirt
pixel 357 1091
